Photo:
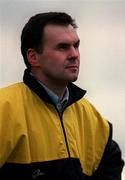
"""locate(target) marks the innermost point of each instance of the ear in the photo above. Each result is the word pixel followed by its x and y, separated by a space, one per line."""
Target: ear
pixel 33 57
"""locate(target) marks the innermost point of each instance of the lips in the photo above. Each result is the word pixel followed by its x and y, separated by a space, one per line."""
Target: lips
pixel 72 66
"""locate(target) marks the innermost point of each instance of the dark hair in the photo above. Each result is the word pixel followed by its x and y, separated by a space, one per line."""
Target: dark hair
pixel 32 32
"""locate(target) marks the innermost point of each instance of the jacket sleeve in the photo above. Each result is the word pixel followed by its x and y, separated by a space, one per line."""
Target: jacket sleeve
pixel 111 165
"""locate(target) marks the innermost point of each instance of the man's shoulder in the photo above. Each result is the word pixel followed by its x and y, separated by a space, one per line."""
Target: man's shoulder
pixel 11 87
pixel 11 91
pixel 92 111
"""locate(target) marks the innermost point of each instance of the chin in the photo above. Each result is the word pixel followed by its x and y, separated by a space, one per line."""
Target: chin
pixel 73 79
pixel 68 79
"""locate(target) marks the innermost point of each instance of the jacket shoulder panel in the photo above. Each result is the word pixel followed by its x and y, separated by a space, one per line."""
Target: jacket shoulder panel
pixel 96 128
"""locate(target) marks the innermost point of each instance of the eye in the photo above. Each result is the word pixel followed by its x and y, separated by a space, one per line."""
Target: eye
pixel 63 46
pixel 76 45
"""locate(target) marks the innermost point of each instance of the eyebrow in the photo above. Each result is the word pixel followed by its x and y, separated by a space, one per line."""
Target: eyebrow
pixel 68 44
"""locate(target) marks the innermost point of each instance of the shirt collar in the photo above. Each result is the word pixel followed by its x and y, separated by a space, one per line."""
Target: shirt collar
pixel 56 100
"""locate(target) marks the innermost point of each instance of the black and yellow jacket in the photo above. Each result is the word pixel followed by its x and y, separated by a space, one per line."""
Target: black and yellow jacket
pixel 36 142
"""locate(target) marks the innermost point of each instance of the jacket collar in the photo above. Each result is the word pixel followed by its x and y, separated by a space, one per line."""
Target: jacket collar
pixel 75 93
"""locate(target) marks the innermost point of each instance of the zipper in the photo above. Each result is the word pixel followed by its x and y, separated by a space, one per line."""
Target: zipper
pixel 64 132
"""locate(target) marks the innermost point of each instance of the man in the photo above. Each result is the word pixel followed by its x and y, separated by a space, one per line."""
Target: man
pixel 48 130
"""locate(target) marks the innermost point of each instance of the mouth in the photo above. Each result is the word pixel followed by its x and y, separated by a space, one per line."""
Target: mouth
pixel 72 68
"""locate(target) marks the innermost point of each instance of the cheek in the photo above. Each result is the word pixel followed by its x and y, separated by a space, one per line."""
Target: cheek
pixel 51 65
pixel 56 60
pixel 53 61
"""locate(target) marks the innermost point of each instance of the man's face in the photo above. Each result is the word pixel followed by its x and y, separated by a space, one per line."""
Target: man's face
pixel 60 58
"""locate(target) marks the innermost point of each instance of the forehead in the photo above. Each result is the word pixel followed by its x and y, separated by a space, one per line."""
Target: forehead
pixel 60 33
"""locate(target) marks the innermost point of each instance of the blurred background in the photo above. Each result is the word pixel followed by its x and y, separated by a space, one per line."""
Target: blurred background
pixel 102 32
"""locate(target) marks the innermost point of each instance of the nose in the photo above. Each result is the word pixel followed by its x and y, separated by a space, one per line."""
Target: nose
pixel 73 53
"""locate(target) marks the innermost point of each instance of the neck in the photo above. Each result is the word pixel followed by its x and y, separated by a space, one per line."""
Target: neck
pixel 55 86
pixel 58 89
